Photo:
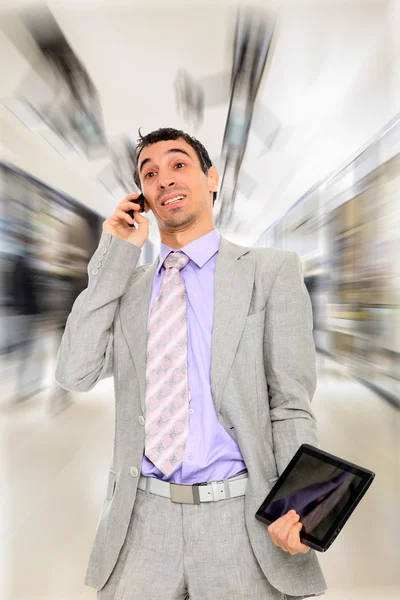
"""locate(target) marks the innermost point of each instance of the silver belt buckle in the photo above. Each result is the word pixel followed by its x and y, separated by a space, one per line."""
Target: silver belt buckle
pixel 185 494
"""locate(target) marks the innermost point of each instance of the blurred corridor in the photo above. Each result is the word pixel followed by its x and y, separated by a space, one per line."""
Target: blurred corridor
pixel 299 108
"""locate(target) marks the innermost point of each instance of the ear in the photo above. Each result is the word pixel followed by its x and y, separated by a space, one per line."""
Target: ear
pixel 213 179
pixel 146 206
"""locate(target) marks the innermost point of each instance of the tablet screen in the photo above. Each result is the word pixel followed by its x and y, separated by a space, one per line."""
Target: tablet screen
pixel 320 491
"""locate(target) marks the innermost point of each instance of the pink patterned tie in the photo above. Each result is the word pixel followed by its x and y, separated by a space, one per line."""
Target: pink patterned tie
pixel 167 393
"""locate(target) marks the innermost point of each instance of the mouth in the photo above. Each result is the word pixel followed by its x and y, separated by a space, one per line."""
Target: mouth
pixel 173 201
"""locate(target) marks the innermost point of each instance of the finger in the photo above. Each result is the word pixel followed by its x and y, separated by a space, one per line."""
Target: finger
pixel 272 534
pixel 123 216
pixel 128 206
pixel 276 542
pixel 281 528
pixel 285 523
pixel 284 519
pixel 295 545
pixel 288 517
pixel 131 196
pixel 278 532
pixel 293 539
pixel 277 526
pixel 302 547
pixel 139 218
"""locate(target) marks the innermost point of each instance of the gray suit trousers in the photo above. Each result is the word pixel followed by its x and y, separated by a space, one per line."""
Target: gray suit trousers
pixel 179 551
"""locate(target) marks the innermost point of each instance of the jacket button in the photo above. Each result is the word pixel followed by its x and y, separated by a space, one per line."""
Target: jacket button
pixel 134 472
pixel 141 420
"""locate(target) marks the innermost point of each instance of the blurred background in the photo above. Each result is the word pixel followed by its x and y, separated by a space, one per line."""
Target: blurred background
pixel 298 104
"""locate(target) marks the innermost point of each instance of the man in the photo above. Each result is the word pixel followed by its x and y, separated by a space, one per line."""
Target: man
pixel 213 359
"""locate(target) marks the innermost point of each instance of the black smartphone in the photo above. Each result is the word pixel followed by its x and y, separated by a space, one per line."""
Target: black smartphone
pixel 139 200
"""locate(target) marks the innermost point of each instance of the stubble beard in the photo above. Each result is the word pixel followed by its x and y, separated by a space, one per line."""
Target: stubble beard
pixel 178 221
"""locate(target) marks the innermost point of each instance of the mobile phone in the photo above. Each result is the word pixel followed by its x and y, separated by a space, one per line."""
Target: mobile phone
pixel 139 200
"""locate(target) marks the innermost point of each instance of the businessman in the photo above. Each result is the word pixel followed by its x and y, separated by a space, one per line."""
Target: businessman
pixel 213 360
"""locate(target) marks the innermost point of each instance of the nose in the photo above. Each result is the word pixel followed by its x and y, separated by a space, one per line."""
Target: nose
pixel 166 181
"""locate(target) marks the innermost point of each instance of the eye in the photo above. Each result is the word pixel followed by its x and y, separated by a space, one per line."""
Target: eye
pixel 180 163
pixel 150 173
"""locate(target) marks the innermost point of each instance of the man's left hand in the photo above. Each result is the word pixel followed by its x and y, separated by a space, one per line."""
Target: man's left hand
pixel 285 533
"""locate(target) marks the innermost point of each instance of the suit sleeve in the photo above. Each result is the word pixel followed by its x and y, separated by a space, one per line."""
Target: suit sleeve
pixel 290 362
pixel 86 352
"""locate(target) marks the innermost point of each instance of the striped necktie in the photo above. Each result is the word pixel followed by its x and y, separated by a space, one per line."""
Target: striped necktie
pixel 167 390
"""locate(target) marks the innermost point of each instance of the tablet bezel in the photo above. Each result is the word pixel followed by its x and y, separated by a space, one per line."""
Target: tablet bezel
pixel 366 476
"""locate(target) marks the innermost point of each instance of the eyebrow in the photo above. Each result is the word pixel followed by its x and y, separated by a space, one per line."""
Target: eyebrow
pixel 171 151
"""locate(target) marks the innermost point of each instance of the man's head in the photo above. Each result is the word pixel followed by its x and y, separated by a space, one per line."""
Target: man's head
pixel 171 163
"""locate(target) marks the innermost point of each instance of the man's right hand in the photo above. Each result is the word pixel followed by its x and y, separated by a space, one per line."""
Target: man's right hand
pixel 119 222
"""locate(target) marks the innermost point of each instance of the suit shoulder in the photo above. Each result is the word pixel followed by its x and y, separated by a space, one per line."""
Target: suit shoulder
pixel 270 258
pixel 275 255
pixel 275 263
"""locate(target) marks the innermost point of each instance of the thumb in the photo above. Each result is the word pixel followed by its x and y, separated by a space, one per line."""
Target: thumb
pixel 140 219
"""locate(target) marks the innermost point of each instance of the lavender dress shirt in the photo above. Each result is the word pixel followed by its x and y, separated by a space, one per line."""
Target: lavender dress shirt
pixel 210 453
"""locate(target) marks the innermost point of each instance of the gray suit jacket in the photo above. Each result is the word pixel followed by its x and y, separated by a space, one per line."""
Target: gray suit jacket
pixel 263 377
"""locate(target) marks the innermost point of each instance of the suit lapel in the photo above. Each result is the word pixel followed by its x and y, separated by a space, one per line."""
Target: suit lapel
pixel 233 285
pixel 134 312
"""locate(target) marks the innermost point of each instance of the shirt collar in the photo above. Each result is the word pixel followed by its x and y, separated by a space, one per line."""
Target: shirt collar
pixel 199 251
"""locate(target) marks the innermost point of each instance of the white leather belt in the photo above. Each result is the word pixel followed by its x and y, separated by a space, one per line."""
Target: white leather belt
pixel 194 494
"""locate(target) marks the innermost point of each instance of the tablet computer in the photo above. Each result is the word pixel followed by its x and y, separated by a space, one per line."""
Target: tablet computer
pixel 323 489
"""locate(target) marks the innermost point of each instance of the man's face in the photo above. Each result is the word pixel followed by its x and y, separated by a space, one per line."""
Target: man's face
pixel 170 170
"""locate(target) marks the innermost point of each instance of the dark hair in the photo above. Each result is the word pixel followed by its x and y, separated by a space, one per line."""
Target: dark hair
pixel 168 133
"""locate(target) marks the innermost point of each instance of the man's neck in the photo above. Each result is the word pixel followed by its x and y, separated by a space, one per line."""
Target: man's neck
pixel 183 238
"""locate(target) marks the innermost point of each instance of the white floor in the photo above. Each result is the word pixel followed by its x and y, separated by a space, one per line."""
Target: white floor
pixel 54 480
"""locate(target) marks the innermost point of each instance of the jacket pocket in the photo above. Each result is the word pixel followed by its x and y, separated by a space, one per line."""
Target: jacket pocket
pixel 256 320
pixel 232 433
pixel 112 478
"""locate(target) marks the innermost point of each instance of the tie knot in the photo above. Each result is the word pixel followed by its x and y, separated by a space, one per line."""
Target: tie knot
pixel 177 260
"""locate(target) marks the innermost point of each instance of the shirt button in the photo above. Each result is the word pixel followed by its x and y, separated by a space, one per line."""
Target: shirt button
pixel 95 271
pixel 191 456
pixel 191 411
pixel 141 420
pixel 134 472
pixel 98 264
pixel 103 251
